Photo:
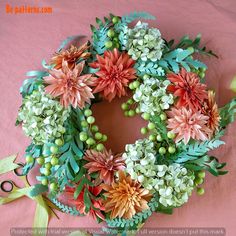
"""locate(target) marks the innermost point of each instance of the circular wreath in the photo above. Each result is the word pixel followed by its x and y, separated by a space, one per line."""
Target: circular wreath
pixel 155 174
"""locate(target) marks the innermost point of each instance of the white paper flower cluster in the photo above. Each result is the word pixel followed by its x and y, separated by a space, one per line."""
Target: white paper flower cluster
pixel 145 43
pixel 140 161
pixel 42 117
pixel 173 183
pixel 152 96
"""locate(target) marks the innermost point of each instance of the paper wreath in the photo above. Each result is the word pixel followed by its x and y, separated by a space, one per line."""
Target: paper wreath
pixel 155 174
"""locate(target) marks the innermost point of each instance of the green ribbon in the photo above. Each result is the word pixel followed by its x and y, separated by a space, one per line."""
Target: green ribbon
pixel 233 84
pixel 42 211
pixel 7 164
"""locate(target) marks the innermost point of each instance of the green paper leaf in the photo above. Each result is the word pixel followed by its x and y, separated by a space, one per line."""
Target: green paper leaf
pixel 87 200
pixel 227 113
pixel 79 188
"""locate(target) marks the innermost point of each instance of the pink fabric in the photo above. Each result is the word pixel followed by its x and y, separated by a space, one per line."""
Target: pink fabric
pixel 27 39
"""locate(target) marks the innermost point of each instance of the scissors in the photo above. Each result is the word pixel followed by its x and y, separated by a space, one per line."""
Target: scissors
pixel 8 186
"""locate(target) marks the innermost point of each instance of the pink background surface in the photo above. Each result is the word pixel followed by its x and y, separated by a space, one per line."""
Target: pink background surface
pixel 27 39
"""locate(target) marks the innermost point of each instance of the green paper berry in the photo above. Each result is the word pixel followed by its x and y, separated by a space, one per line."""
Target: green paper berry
pixel 137 110
pixel 88 112
pixel 100 147
pixel 202 74
pixel 104 138
pixel 110 33
pixel 152 137
pixel 159 138
pixel 98 136
pixel 116 39
pixel 108 44
pixel 83 136
pixel 130 102
pixel 136 84
pixel 144 130
pixel 94 128
pixel 200 191
pixel 90 141
pixel 54 149
pixel 171 135
pixel 84 123
pixel 126 113
pixel 54 161
pixel 131 86
pixel 124 106
pixel 47 172
pixel 151 126
pixel 201 174
pixel 53 186
pixel 146 116
pixel 131 113
pixel 198 181
pixel 90 119
pixel 171 149
pixel 48 165
pixel 59 142
pixel 116 45
pixel 146 76
pixel 44 182
pixel 40 160
pixel 115 19
pixel 162 150
pixel 163 116
pixel 29 159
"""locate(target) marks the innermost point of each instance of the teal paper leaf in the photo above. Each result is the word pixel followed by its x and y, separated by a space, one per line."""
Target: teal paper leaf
pixel 196 150
pixel 136 15
pixel 208 163
pixel 149 68
pixel 38 189
pixel 179 57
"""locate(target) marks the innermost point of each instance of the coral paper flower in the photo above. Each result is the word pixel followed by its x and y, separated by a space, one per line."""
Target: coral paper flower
pixel 187 86
pixel 72 87
pixel 70 55
pixel 115 72
pixel 210 109
pixel 105 163
pixel 188 124
pixel 96 207
pixel 125 197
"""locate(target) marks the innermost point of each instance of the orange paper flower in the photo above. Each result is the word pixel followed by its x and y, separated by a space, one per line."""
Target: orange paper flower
pixel 71 56
pixel 187 87
pixel 115 72
pixel 70 86
pixel 105 163
pixel 210 109
pixel 188 124
pixel 125 197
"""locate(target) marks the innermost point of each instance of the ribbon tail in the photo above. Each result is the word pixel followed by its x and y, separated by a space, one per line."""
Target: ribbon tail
pixel 41 217
pixel 7 164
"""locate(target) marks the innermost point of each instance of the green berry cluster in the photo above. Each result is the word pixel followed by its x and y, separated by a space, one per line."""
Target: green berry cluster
pixel 91 135
pixel 200 72
pixel 130 108
pixel 151 130
pixel 47 163
pixel 199 179
pixel 113 41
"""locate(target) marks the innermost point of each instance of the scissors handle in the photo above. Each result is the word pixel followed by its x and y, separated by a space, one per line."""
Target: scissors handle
pixel 5 186
pixel 16 171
